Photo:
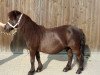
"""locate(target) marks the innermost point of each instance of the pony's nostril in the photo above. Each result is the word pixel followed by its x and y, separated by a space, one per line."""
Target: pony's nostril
pixel 4 27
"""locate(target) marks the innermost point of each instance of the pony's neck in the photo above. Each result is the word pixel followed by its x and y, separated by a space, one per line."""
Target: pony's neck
pixel 31 29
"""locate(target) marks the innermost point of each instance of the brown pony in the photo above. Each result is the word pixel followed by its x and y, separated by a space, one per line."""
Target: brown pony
pixel 48 40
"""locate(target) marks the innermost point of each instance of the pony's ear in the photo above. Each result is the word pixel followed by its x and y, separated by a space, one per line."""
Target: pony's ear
pixel 13 14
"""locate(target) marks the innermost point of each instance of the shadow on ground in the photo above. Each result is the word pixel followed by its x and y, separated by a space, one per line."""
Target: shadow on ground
pixel 63 57
pixel 9 58
pixel 17 45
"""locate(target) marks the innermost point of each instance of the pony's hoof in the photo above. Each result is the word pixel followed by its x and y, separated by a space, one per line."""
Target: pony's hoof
pixel 79 71
pixel 39 70
pixel 66 69
pixel 31 72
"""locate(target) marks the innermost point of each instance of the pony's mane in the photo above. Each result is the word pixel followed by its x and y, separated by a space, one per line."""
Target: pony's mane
pixel 30 28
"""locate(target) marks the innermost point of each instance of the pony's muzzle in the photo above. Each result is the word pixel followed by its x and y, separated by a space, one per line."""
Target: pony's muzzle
pixel 7 28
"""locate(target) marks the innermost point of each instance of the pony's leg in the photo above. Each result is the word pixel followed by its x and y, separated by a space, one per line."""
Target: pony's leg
pixel 32 60
pixel 80 60
pixel 70 56
pixel 40 66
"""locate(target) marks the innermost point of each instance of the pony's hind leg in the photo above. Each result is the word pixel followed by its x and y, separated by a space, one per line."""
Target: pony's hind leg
pixel 40 66
pixel 70 56
pixel 80 61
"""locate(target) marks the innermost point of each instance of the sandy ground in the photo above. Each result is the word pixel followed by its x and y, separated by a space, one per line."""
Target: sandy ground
pixel 19 64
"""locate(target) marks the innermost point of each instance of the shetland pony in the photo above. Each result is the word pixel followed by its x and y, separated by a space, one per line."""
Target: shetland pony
pixel 48 40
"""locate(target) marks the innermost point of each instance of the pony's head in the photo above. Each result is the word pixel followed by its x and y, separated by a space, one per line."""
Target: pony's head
pixel 15 18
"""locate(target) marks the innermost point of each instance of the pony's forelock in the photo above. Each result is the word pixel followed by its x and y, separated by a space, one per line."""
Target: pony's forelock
pixel 13 14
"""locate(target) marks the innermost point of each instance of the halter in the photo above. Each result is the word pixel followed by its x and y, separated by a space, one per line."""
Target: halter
pixel 16 23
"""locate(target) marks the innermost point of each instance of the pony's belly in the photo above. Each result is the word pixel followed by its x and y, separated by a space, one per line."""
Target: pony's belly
pixel 51 46
pixel 52 49
pixel 51 43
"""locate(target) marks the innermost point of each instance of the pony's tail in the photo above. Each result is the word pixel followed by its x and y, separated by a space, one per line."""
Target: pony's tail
pixel 83 41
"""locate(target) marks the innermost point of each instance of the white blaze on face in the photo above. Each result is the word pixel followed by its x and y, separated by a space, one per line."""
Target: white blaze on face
pixel 2 24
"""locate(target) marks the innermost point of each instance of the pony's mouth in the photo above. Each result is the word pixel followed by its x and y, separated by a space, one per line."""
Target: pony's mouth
pixel 7 28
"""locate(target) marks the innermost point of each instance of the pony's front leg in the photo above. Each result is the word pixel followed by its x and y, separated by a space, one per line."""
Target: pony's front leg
pixel 32 60
pixel 40 66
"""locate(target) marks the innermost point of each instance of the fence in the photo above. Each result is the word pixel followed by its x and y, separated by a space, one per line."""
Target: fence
pixel 85 14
